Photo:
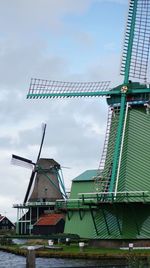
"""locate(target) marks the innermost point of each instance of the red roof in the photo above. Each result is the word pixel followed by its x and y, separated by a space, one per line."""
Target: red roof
pixel 49 219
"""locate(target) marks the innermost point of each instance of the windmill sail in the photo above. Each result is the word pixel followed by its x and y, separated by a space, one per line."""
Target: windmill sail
pixel 21 161
pixel 34 172
pixel 29 186
pixel 43 136
pixel 54 89
pixel 137 41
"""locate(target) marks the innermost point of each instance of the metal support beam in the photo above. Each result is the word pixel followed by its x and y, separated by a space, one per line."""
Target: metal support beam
pixel 30 220
pixel 17 223
pixel 81 213
pixel 105 219
pixel 25 224
pixel 21 222
pixel 83 199
pixel 135 220
pixel 61 183
pixel 93 218
pixel 37 214
pixel 69 214
pixel 117 219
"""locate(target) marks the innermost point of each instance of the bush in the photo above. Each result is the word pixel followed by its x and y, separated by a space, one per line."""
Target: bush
pixel 5 241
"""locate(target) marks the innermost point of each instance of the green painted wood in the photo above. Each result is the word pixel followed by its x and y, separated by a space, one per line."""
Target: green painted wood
pixel 135 165
pixel 118 142
pixel 131 219
pixel 123 213
pixel 81 187
pixel 84 228
pixel 113 92
pixel 70 95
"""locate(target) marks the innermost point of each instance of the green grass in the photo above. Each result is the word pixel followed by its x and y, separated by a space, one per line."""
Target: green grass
pixel 73 251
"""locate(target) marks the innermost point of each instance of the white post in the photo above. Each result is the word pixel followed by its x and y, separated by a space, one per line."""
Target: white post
pixel 30 260
pixel 130 246
pixel 81 246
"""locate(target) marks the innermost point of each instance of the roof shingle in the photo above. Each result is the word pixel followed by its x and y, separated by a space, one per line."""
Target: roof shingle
pixel 49 219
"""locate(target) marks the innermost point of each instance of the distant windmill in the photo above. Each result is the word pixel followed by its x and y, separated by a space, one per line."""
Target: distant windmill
pixel 48 184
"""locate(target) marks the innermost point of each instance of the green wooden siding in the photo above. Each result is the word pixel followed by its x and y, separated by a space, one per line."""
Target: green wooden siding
pixel 84 227
pixel 135 165
pixel 81 187
pixel 117 221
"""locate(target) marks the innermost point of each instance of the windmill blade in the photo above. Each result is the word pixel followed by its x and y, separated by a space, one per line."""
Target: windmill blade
pixel 137 41
pixel 38 157
pixel 66 167
pixel 29 186
pixel 40 88
pixel 21 161
pixel 43 136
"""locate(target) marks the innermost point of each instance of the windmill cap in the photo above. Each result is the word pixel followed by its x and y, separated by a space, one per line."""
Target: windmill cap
pixel 47 163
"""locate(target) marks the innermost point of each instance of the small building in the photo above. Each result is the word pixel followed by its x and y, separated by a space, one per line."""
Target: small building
pixel 49 224
pixel 83 183
pixel 6 224
pixel 80 217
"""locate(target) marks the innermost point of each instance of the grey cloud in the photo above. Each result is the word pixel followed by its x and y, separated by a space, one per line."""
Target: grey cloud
pixel 113 1
pixel 36 13
pixel 19 62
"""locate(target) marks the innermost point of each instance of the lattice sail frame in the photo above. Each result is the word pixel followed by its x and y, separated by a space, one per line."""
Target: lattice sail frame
pixel 52 89
pixel 137 40
pixel 99 182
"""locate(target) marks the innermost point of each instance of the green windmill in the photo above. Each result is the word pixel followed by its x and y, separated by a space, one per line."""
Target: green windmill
pixel 116 203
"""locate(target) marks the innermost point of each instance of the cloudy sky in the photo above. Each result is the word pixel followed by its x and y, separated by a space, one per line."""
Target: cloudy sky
pixel 62 40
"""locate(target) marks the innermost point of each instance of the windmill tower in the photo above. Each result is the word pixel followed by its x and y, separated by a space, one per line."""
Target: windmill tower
pixel 45 187
pixel 119 207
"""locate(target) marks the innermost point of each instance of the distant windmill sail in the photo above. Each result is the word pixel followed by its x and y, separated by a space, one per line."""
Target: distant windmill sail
pixel 29 186
pixel 43 136
pixel 34 172
pixel 21 161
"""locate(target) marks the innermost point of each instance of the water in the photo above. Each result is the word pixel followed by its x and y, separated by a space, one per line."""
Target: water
pixel 8 260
